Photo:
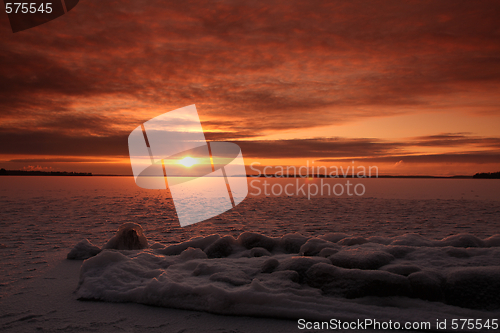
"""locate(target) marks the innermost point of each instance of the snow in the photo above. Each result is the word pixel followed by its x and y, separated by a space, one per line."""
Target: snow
pixel 264 276
pixel 128 237
pixel 83 250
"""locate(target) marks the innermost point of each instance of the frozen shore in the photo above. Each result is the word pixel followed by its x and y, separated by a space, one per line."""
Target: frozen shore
pixel 255 283
pixel 402 278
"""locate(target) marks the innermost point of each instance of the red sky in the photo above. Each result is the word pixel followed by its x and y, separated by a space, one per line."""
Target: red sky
pixel 410 86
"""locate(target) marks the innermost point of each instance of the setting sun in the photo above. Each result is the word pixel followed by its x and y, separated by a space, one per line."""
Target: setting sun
pixel 188 161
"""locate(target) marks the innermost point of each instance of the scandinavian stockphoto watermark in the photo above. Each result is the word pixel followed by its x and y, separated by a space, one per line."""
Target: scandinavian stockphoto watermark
pixel 310 180
pixel 170 152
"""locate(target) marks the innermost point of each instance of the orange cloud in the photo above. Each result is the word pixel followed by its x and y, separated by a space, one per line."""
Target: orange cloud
pixel 79 84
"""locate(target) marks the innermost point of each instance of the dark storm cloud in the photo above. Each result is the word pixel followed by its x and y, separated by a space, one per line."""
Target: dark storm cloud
pixel 455 139
pixel 49 143
pixel 327 149
pixel 59 160
pixel 316 148
pixel 474 157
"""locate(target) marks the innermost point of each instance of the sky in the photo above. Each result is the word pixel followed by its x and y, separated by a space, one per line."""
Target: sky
pixel 409 86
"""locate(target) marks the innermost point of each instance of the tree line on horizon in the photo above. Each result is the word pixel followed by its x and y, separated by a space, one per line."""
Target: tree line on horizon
pixel 487 175
pixel 4 172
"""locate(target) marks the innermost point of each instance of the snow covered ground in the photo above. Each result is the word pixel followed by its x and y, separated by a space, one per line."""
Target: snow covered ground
pixel 331 276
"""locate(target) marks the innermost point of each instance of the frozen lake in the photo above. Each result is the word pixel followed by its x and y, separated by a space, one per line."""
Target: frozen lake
pixel 41 218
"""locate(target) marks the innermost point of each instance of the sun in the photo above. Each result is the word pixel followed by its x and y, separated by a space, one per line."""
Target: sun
pixel 188 161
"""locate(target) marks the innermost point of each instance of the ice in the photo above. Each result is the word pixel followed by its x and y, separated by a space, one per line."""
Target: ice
pixel 222 247
pixel 197 242
pixel 327 252
pixel 362 258
pixel 270 265
pixel 412 240
pixel 256 252
pixel 128 237
pixel 349 241
pixel 427 285
pixel 291 243
pixel 334 237
pixel 399 251
pixel 401 269
pixel 300 264
pixel 258 275
pixel 355 283
pixel 192 253
pixel 83 250
pixel 463 241
pixel 314 246
pixel 251 240
pixel 474 287
pixel 492 241
pixel 233 278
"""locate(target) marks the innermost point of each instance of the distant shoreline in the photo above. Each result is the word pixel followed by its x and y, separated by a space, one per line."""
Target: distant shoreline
pixel 4 172
pixel 355 177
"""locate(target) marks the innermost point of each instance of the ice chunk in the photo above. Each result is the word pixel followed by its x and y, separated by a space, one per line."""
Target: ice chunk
pixel 197 242
pixel 314 245
pixel 321 274
pixel 204 268
pixel 83 250
pixel 427 285
pixel 326 252
pixel 156 246
pixel 362 258
pixel 291 243
pixel 128 237
pixel 270 265
pixel 350 241
pixel 462 240
pixel 380 240
pixel 289 275
pixel 234 278
pixel 405 269
pixel 492 241
pixel 334 237
pixel 474 287
pixel 399 251
pixel 456 252
pixel 250 240
pixel 300 264
pixel 259 252
pixel 355 283
pixel 412 240
pixel 222 247
pixel 192 253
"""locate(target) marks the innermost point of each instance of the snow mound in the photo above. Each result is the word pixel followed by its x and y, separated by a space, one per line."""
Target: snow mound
pixel 128 237
pixel 474 287
pixel 257 275
pixel 83 250
pixel 359 257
